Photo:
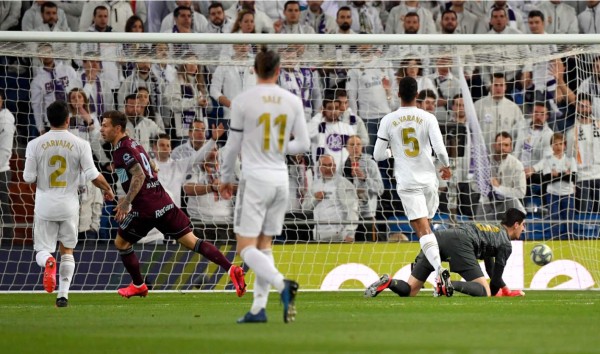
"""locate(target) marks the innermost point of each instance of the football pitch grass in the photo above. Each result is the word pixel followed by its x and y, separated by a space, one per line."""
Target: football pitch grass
pixel 327 322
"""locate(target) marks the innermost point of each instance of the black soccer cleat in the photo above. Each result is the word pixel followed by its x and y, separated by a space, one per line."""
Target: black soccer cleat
pixel 288 299
pixel 260 317
pixel 62 302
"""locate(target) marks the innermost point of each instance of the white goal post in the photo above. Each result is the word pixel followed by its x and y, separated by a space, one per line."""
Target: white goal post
pixel 555 71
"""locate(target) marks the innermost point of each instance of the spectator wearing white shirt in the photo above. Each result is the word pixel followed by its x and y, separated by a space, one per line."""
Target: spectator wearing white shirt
pixel 118 13
pixel 514 16
pixel 110 68
pixel 184 23
pixel 591 86
pixel 51 82
pixel 496 113
pixel 273 8
pixel 363 172
pixel 196 139
pixel 467 22
pixel 10 14
pixel 335 201
pixel 7 135
pixel 33 19
pixel 140 128
pixel 205 205
pixel 218 22
pixel 508 181
pixel 95 85
pixel 72 11
pixel 328 135
pixel 163 70
pixel 184 98
pixel 291 20
pixel 589 20
pixel 49 13
pixel 560 18
pixel 446 85
pixel 315 17
pixel 365 19
pixel 410 26
pixel 397 16
pixel 199 22
pixel 262 22
pixel 351 118
pixel 228 81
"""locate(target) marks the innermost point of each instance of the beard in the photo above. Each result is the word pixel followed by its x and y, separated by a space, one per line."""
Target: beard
pixel 345 26
pixel 411 31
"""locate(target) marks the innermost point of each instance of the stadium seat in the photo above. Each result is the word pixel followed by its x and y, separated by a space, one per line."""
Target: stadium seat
pixel 587 225
pixel 538 229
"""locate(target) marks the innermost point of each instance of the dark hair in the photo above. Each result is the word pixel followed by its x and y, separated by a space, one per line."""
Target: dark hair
pixel 582 96
pixel 266 62
pixel 512 216
pixel 2 95
pixel 401 72
pixel 240 16
pixel 47 4
pixel 498 75
pixel 497 8
pixel 340 93
pixel 541 104
pixel 214 5
pixel 448 11
pixel 411 14
pixel 536 13
pixel 328 96
pixel 99 7
pixel 131 96
pixel 343 8
pixel 163 136
pixel 407 89
pixel 291 2
pixel 457 96
pixel 504 135
pixel 117 119
pixel 178 10
pixel 57 113
pixel 131 21
pixel 424 94
pixel 556 136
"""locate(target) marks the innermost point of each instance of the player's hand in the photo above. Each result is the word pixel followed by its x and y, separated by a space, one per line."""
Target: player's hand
pixel 109 195
pixel 122 209
pixel 217 131
pixel 226 190
pixel 446 173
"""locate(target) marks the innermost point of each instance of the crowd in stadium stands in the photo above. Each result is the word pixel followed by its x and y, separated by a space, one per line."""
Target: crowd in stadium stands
pixel 537 120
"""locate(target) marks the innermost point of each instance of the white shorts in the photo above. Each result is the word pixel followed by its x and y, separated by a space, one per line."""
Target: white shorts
pixel 260 208
pixel 420 203
pixel 46 233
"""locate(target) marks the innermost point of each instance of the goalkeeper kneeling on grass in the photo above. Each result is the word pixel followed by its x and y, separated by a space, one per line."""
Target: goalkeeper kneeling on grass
pixel 462 247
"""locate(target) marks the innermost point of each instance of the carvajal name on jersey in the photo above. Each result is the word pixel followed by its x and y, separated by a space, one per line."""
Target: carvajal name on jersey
pixel 60 143
pixel 271 99
pixel 407 119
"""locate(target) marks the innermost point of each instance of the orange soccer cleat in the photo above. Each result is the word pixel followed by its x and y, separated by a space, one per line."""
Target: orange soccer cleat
pixel 50 275
pixel 133 290
pixel 236 273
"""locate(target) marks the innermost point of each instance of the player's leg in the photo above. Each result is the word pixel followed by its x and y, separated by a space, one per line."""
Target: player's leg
pixel 67 237
pixel 463 261
pixel 45 236
pixel 420 206
pixel 476 287
pixel 419 274
pixel 261 285
pixel 177 225
pixel 131 230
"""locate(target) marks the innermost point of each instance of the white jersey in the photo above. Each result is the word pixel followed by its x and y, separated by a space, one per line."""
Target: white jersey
pixel 55 162
pixel 266 115
pixel 412 132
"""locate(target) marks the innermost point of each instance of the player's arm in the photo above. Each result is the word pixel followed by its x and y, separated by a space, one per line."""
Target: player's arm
pixel 30 172
pixel 231 150
pixel 301 142
pixel 381 152
pixel 137 181
pixel 496 281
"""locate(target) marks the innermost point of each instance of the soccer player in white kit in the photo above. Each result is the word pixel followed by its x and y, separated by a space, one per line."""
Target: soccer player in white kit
pixel 262 122
pixel 55 161
pixel 412 132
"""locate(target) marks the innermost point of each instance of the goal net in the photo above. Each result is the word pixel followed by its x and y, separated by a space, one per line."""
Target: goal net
pixel 519 123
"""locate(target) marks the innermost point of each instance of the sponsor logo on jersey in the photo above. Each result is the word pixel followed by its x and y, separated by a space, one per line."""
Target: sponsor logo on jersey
pixel 127 158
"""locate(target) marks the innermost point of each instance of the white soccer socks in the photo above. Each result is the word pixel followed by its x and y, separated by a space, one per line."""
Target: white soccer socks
pixel 430 247
pixel 263 267
pixel 261 287
pixel 66 270
pixel 41 257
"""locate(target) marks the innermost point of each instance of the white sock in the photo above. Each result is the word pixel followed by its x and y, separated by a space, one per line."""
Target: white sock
pixel 41 257
pixel 430 247
pixel 262 267
pixel 261 287
pixel 65 272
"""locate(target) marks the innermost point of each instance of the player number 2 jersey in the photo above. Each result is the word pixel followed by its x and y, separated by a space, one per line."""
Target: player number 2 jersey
pixel 55 162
